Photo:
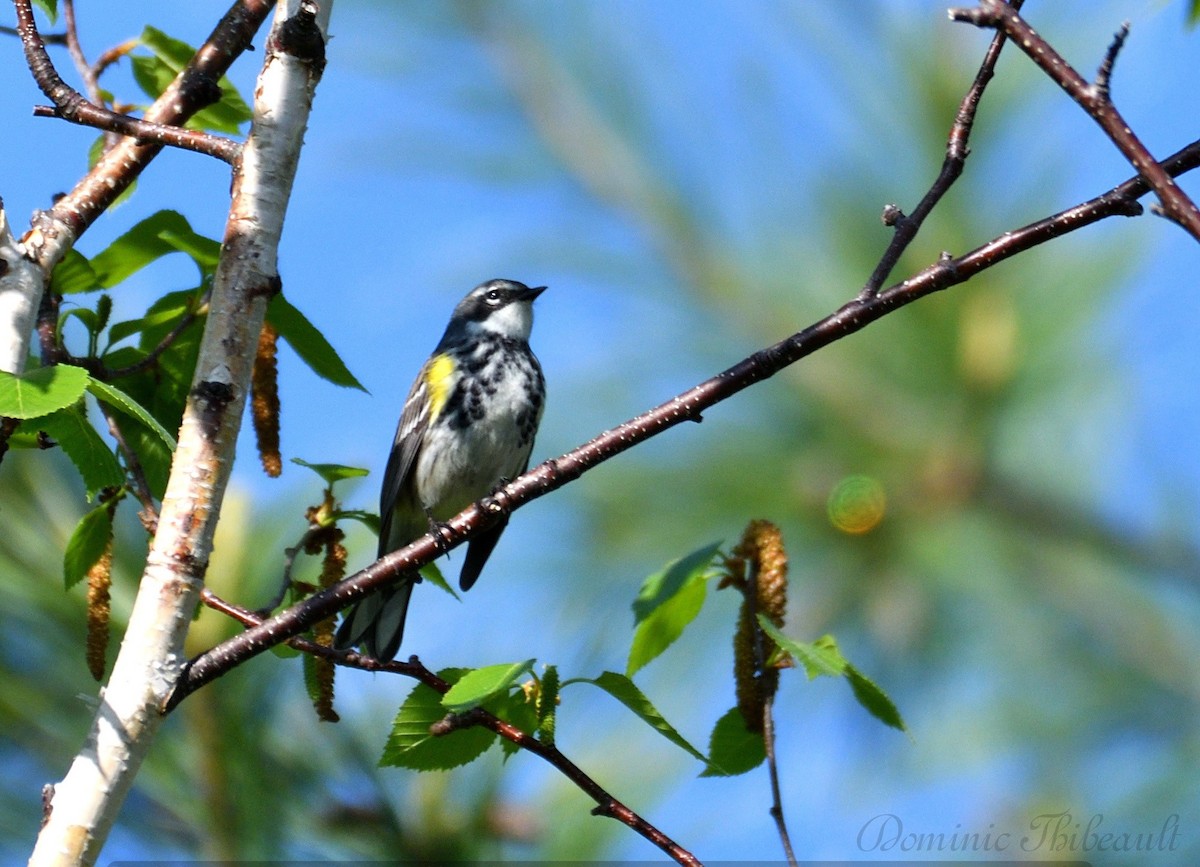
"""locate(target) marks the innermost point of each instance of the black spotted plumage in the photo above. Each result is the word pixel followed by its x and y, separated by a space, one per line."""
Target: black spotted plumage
pixel 442 461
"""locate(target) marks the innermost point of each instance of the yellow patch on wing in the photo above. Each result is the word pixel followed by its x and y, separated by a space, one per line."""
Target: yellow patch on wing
pixel 437 380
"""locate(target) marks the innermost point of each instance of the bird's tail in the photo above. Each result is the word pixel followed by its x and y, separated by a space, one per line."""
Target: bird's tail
pixel 376 623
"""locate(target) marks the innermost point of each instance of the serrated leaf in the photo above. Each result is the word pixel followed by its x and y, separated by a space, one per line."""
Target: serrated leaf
pixel 732 748
pixel 482 684
pixel 333 472
pixel 410 745
pixel 87 544
pixel 117 399
pixel 820 657
pixel 623 690
pixel 874 699
pixel 92 457
pixel 309 343
pixel 668 601
pixel 547 705
pixel 154 237
pixel 73 274
pixel 40 392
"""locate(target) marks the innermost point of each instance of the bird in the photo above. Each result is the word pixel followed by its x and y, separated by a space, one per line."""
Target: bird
pixel 467 427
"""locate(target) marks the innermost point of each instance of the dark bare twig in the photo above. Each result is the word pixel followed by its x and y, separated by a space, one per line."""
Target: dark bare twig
pixel 162 346
pixel 556 472
pixel 88 72
pixel 71 105
pixel 194 88
pixel 1104 73
pixel 773 771
pixel 606 804
pixel 957 151
pixel 289 562
pixel 137 476
pixel 1093 99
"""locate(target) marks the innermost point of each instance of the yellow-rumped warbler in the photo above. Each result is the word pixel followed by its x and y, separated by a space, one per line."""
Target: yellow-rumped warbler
pixel 468 423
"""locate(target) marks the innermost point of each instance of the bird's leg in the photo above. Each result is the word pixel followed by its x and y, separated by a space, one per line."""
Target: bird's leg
pixel 439 530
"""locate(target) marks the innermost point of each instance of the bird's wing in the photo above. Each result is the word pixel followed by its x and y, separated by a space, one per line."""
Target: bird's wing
pixel 401 463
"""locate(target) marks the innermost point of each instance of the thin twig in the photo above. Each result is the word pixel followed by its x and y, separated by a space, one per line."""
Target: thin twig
pixel 289 562
pixel 606 804
pixel 1093 99
pixel 87 71
pixel 773 771
pixel 137 475
pixel 151 358
pixel 70 105
pixel 1104 73
pixel 553 474
pixel 957 151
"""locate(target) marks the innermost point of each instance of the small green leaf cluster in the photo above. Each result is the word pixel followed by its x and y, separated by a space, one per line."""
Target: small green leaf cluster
pixel 426 734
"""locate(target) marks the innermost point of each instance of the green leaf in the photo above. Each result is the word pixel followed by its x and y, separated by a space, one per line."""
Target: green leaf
pixel 1193 14
pixel 153 454
pixel 368 519
pixel 874 699
pixel 333 472
pixel 50 7
pixel 668 601
pixel 87 544
pixel 478 686
pixel 309 343
pixel 91 456
pixel 172 55
pixel 117 399
pixel 431 573
pixel 154 237
pixel 168 316
pixel 410 745
pixel 732 748
pixel 42 391
pixel 73 273
pixel 821 657
pixel 623 690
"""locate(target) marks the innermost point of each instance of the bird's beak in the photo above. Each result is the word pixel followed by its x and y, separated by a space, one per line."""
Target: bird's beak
pixel 532 292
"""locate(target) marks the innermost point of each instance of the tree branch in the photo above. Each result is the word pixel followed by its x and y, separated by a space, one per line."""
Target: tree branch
pixel 1093 98
pixel 55 230
pixel 687 406
pixel 71 105
pixel 85 804
pixel 957 151
pixel 606 804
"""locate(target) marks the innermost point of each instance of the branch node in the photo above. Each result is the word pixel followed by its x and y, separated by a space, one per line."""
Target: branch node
pixel 892 214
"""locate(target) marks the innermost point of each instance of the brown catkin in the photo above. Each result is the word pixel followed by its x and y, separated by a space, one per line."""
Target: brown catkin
pixel 333 570
pixel 99 610
pixel 264 403
pixel 758 567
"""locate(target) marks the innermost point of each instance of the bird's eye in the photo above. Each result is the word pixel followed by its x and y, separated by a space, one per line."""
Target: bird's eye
pixel 493 296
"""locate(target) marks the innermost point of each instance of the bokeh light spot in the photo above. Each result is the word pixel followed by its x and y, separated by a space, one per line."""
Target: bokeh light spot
pixel 857 504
